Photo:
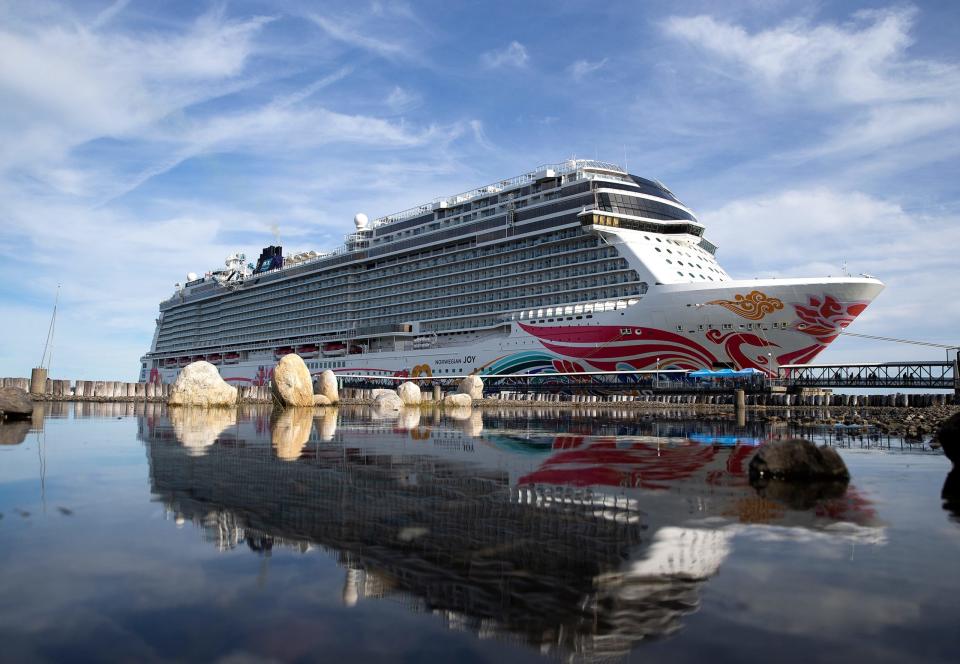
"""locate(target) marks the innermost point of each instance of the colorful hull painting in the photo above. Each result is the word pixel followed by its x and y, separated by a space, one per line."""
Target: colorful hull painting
pixel 748 330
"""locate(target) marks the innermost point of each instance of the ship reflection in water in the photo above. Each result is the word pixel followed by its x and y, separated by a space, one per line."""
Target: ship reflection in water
pixel 573 543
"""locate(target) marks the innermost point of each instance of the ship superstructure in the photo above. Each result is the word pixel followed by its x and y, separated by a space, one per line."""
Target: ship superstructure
pixel 573 266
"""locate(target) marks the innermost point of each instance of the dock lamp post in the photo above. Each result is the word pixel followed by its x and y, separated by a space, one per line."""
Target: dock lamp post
pixel 657 367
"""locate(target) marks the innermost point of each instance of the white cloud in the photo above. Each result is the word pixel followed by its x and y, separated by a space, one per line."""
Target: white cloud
pixel 862 70
pixel 863 61
pixel 583 68
pixel 513 55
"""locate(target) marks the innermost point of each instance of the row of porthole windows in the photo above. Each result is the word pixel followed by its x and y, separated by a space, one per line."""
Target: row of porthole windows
pixel 741 326
pixel 326 365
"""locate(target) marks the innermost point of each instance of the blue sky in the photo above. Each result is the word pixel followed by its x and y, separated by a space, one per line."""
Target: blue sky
pixel 140 141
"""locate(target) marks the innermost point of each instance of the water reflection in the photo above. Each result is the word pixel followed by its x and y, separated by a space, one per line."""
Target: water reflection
pixel 580 542
pixel 14 432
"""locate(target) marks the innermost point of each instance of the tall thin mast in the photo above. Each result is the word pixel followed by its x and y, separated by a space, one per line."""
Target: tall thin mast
pixel 48 346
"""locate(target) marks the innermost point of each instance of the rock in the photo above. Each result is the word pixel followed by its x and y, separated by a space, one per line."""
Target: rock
pixel 327 386
pixel 377 392
pixel 458 400
pixel 200 384
pixel 471 385
pixel 15 404
pixel 320 400
pixel 797 459
pixel 948 436
pixel 409 394
pixel 291 384
pixel 387 401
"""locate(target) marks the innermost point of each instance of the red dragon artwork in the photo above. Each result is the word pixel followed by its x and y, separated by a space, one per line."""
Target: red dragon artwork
pixel 823 319
pixel 608 348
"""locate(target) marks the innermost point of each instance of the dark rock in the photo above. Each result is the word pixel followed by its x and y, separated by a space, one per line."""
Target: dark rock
pixel 15 404
pixel 949 437
pixel 797 459
pixel 13 433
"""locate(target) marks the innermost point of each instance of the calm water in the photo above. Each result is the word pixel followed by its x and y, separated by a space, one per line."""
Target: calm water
pixel 137 535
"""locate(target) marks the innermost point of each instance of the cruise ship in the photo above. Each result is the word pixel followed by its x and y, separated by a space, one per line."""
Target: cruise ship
pixel 571 267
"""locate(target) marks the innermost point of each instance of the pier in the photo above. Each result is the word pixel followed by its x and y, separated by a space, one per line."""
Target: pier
pixel 794 385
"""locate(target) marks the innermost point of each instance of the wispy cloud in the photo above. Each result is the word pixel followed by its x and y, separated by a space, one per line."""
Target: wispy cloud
pixel 400 99
pixel 354 36
pixel 512 55
pixel 580 69
pixel 64 86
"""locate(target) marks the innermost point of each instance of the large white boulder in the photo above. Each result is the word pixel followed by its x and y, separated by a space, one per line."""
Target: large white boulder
pixel 457 401
pixel 387 402
pixel 327 386
pixel 291 384
pixel 378 391
pixel 409 394
pixel 320 400
pixel 200 384
pixel 471 385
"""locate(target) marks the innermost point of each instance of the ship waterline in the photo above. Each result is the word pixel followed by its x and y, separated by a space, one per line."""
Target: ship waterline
pixel 573 267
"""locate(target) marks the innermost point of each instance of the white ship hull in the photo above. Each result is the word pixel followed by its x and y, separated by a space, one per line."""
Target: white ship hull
pixel 758 324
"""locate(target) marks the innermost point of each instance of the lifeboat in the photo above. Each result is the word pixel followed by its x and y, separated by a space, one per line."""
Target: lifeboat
pixel 214 358
pixel 231 358
pixel 334 349
pixel 308 350
pixel 283 350
pixel 170 362
pixel 183 361
pixel 356 349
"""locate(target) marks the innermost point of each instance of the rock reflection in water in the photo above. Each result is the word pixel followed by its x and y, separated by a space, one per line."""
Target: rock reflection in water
pixel 14 432
pixel 573 543
pixel 290 430
pixel 951 494
pixel 198 428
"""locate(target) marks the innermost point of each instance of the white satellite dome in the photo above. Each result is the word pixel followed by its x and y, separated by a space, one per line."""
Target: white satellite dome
pixel 191 276
pixel 360 221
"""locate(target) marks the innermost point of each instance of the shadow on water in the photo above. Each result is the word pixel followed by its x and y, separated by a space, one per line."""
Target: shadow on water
pixel 580 541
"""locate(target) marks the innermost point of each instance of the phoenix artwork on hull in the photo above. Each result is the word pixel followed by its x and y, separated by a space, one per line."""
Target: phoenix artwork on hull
pixel 577 266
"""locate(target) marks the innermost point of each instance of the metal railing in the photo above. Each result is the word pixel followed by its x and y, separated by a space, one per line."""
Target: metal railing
pixel 929 375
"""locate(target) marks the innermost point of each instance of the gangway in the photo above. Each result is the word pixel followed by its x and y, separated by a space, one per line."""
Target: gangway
pixel 897 375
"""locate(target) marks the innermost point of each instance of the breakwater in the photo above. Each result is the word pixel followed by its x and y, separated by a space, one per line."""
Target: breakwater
pixel 114 390
pixel 107 390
